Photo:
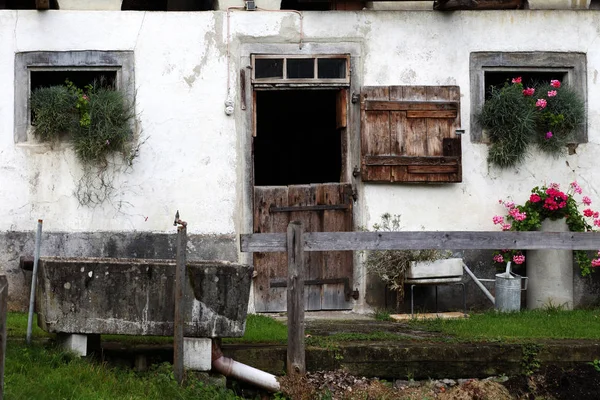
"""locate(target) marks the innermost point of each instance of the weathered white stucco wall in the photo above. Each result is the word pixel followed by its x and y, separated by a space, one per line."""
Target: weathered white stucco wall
pixel 193 158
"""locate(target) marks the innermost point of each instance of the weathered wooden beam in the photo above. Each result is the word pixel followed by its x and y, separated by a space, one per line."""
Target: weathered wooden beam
pixel 387 105
pixel 296 362
pixel 453 5
pixel 42 4
pixel 178 321
pixel 408 160
pixel 446 240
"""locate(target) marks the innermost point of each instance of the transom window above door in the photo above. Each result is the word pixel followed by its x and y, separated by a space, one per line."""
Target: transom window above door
pixel 332 70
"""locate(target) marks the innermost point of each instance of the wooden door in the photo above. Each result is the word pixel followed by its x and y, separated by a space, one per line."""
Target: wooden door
pixel 325 207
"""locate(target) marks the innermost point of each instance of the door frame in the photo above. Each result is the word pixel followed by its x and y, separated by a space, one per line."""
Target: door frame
pixel 245 131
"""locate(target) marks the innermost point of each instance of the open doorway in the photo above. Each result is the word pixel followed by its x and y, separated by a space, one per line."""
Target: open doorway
pixel 297 139
pixel 299 175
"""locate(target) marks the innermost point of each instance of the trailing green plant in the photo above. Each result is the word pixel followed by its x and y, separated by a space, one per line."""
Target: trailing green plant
pixel 391 265
pixel 515 117
pixel 530 362
pixel 96 118
pixel 552 203
pixel 53 113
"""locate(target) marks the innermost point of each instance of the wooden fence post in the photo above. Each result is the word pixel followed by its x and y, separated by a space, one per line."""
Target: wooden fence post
pixel 3 311
pixel 179 297
pixel 295 299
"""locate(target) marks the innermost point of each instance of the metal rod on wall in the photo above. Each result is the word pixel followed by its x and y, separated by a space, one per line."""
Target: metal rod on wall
pixel 36 258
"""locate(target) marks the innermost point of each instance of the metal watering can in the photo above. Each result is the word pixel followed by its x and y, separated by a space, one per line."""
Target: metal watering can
pixel 508 287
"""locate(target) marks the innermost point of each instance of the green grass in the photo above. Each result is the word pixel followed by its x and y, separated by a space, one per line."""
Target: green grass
pixel 534 324
pixel 40 372
pixel 261 329
pixel 16 326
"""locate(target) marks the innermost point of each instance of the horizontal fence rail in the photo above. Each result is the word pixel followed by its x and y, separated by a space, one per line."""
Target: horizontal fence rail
pixel 448 240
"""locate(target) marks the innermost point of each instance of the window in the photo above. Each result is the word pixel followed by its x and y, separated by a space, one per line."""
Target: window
pixel 324 69
pixel 48 68
pixel 494 68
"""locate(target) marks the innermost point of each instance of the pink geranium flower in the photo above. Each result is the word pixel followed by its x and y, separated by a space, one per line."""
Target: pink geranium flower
pixel 588 212
pixel 541 103
pixel 586 200
pixel 548 135
pixel 516 80
pixel 506 227
pixel 551 93
pixel 528 92
pixel 576 187
pixel 498 258
pixel 534 198
pixel 597 222
pixel 498 219
pixel 555 83
pixel 519 259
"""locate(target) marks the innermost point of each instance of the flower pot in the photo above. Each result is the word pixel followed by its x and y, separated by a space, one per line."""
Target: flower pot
pixel 90 5
pixel 550 273
pixel 559 4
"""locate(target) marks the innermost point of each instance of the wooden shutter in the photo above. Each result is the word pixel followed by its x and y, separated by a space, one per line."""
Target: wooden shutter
pixel 408 134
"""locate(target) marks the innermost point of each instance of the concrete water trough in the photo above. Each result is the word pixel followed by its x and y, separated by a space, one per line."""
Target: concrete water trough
pixel 136 297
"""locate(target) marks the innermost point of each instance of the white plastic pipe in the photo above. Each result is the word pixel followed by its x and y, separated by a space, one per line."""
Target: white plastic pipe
pixel 237 370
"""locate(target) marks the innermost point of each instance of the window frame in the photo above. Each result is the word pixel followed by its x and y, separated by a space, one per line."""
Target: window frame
pixel 299 82
pixel 572 64
pixel 121 62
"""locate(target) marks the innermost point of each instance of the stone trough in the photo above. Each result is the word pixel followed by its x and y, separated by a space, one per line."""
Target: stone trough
pixel 92 296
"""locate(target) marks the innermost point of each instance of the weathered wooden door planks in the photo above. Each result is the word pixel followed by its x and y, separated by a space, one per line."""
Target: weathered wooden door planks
pixel 323 207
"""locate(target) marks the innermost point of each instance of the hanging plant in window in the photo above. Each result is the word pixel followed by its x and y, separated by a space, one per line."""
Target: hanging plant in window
pixel 517 117
pixel 97 119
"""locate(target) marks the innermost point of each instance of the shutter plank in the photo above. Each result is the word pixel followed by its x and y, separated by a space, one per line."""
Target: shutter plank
pixel 433 169
pixel 398 134
pixel 375 133
pixel 416 131
pixel 341 108
pixel 382 105
pixel 431 114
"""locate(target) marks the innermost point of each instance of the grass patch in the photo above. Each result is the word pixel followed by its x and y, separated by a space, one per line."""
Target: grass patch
pixel 527 324
pixel 39 372
pixel 261 329
pixel 382 315
pixel 16 326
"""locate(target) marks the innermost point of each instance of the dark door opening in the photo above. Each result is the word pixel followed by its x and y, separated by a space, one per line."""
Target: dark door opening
pixel 296 141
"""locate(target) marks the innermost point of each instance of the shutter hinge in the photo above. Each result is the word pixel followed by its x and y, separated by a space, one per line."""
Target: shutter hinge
pixel 356 172
pixel 355 98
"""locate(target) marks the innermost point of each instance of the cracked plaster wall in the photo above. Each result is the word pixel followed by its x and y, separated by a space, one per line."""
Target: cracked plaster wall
pixel 191 160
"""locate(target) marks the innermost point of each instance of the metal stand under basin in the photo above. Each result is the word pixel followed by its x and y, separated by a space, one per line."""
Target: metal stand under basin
pixel 412 287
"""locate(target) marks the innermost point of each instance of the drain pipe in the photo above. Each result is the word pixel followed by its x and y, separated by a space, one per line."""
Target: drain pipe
pixel 242 372
pixel 478 282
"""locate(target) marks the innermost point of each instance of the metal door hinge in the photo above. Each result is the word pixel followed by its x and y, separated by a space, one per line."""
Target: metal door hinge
pixel 355 98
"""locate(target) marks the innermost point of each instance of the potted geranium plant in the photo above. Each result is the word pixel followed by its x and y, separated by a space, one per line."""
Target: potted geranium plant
pixel 550 271
pixel 542 114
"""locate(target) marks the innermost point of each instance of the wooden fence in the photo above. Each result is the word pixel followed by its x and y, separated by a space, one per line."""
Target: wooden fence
pixel 296 242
